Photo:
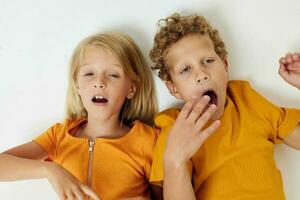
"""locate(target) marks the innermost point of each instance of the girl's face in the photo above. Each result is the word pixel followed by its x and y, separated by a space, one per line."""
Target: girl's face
pixel 103 84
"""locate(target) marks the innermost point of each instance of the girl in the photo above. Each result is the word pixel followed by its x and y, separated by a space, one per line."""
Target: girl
pixel 104 144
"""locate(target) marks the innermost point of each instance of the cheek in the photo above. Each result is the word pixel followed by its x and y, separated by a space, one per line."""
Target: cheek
pixel 84 85
pixel 83 91
pixel 183 83
pixel 188 94
pixel 186 91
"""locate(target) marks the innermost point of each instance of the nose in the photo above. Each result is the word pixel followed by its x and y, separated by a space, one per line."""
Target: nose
pixel 201 78
pixel 100 83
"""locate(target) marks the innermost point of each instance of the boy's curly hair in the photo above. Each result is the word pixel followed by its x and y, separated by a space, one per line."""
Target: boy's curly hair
pixel 175 27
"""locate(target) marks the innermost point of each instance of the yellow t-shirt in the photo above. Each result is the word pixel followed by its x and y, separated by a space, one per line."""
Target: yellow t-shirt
pixel 120 167
pixel 237 161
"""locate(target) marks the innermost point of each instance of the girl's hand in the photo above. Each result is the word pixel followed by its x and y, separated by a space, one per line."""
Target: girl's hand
pixel 187 134
pixel 66 185
pixel 289 68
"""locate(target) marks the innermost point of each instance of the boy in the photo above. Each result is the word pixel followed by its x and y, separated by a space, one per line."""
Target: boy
pixel 237 160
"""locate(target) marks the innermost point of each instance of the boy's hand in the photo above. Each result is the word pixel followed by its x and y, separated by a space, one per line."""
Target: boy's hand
pixel 187 134
pixel 66 185
pixel 289 68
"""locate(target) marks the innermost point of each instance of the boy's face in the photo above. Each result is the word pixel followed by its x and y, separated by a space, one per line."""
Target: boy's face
pixel 197 70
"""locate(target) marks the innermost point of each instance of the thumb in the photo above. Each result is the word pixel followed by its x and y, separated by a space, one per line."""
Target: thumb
pixel 88 191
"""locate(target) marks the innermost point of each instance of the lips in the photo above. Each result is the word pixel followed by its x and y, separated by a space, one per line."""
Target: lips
pixel 99 99
pixel 213 96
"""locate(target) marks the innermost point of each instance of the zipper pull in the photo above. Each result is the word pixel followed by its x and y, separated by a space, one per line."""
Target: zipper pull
pixel 91 145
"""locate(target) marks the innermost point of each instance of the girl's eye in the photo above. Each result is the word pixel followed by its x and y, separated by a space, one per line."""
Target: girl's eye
pixel 207 61
pixel 89 74
pixel 185 69
pixel 114 75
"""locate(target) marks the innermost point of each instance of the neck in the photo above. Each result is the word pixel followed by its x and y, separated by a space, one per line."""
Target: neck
pixel 104 128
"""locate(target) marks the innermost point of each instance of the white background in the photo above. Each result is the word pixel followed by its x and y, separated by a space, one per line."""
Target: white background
pixel 37 39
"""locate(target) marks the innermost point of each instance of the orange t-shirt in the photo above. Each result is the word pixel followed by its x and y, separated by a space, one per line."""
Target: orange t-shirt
pixel 237 161
pixel 120 167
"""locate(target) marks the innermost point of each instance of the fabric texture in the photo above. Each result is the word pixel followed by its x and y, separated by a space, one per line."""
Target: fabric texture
pixel 120 167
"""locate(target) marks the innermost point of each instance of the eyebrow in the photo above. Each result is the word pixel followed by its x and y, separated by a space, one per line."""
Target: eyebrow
pixel 114 65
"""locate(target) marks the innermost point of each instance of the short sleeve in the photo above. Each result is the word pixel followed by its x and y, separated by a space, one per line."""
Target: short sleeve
pixel 164 121
pixel 48 140
pixel 282 120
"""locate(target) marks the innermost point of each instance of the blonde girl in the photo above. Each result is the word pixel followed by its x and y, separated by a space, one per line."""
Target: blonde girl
pixel 104 147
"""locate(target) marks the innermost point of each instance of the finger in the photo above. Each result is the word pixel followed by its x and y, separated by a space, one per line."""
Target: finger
pixel 283 72
pixel 199 108
pixel 296 56
pixel 205 117
pixel 288 57
pixel 186 109
pixel 208 132
pixel 89 192
pixel 62 196
pixel 70 195
pixel 282 61
pixel 78 194
pixel 294 66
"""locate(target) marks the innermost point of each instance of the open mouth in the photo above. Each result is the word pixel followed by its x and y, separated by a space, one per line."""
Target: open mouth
pixel 213 97
pixel 99 99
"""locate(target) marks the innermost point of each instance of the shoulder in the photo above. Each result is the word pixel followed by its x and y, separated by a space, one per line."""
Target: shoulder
pixel 166 117
pixel 72 123
pixel 61 128
pixel 238 86
pixel 242 91
pixel 144 129
pixel 248 99
pixel 67 123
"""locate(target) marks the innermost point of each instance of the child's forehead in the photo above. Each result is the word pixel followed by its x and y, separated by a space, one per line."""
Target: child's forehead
pixel 94 51
pixel 195 40
pixel 190 44
pixel 97 54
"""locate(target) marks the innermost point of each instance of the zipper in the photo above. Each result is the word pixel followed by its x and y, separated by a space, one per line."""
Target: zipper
pixel 90 164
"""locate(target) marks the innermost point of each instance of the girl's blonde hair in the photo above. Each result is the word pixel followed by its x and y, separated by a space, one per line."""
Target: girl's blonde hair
pixel 143 105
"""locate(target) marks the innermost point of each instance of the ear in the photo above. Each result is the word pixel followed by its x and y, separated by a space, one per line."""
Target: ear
pixel 132 91
pixel 225 64
pixel 172 89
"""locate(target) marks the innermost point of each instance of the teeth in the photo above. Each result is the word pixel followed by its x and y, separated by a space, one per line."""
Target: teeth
pixel 99 97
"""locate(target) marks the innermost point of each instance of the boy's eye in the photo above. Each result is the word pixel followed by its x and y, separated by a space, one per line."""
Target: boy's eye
pixel 185 69
pixel 207 61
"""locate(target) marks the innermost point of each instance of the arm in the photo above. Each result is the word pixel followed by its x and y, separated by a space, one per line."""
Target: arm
pixel 289 70
pixel 177 182
pixel 293 140
pixel 24 158
pixel 24 162
pixel 184 139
